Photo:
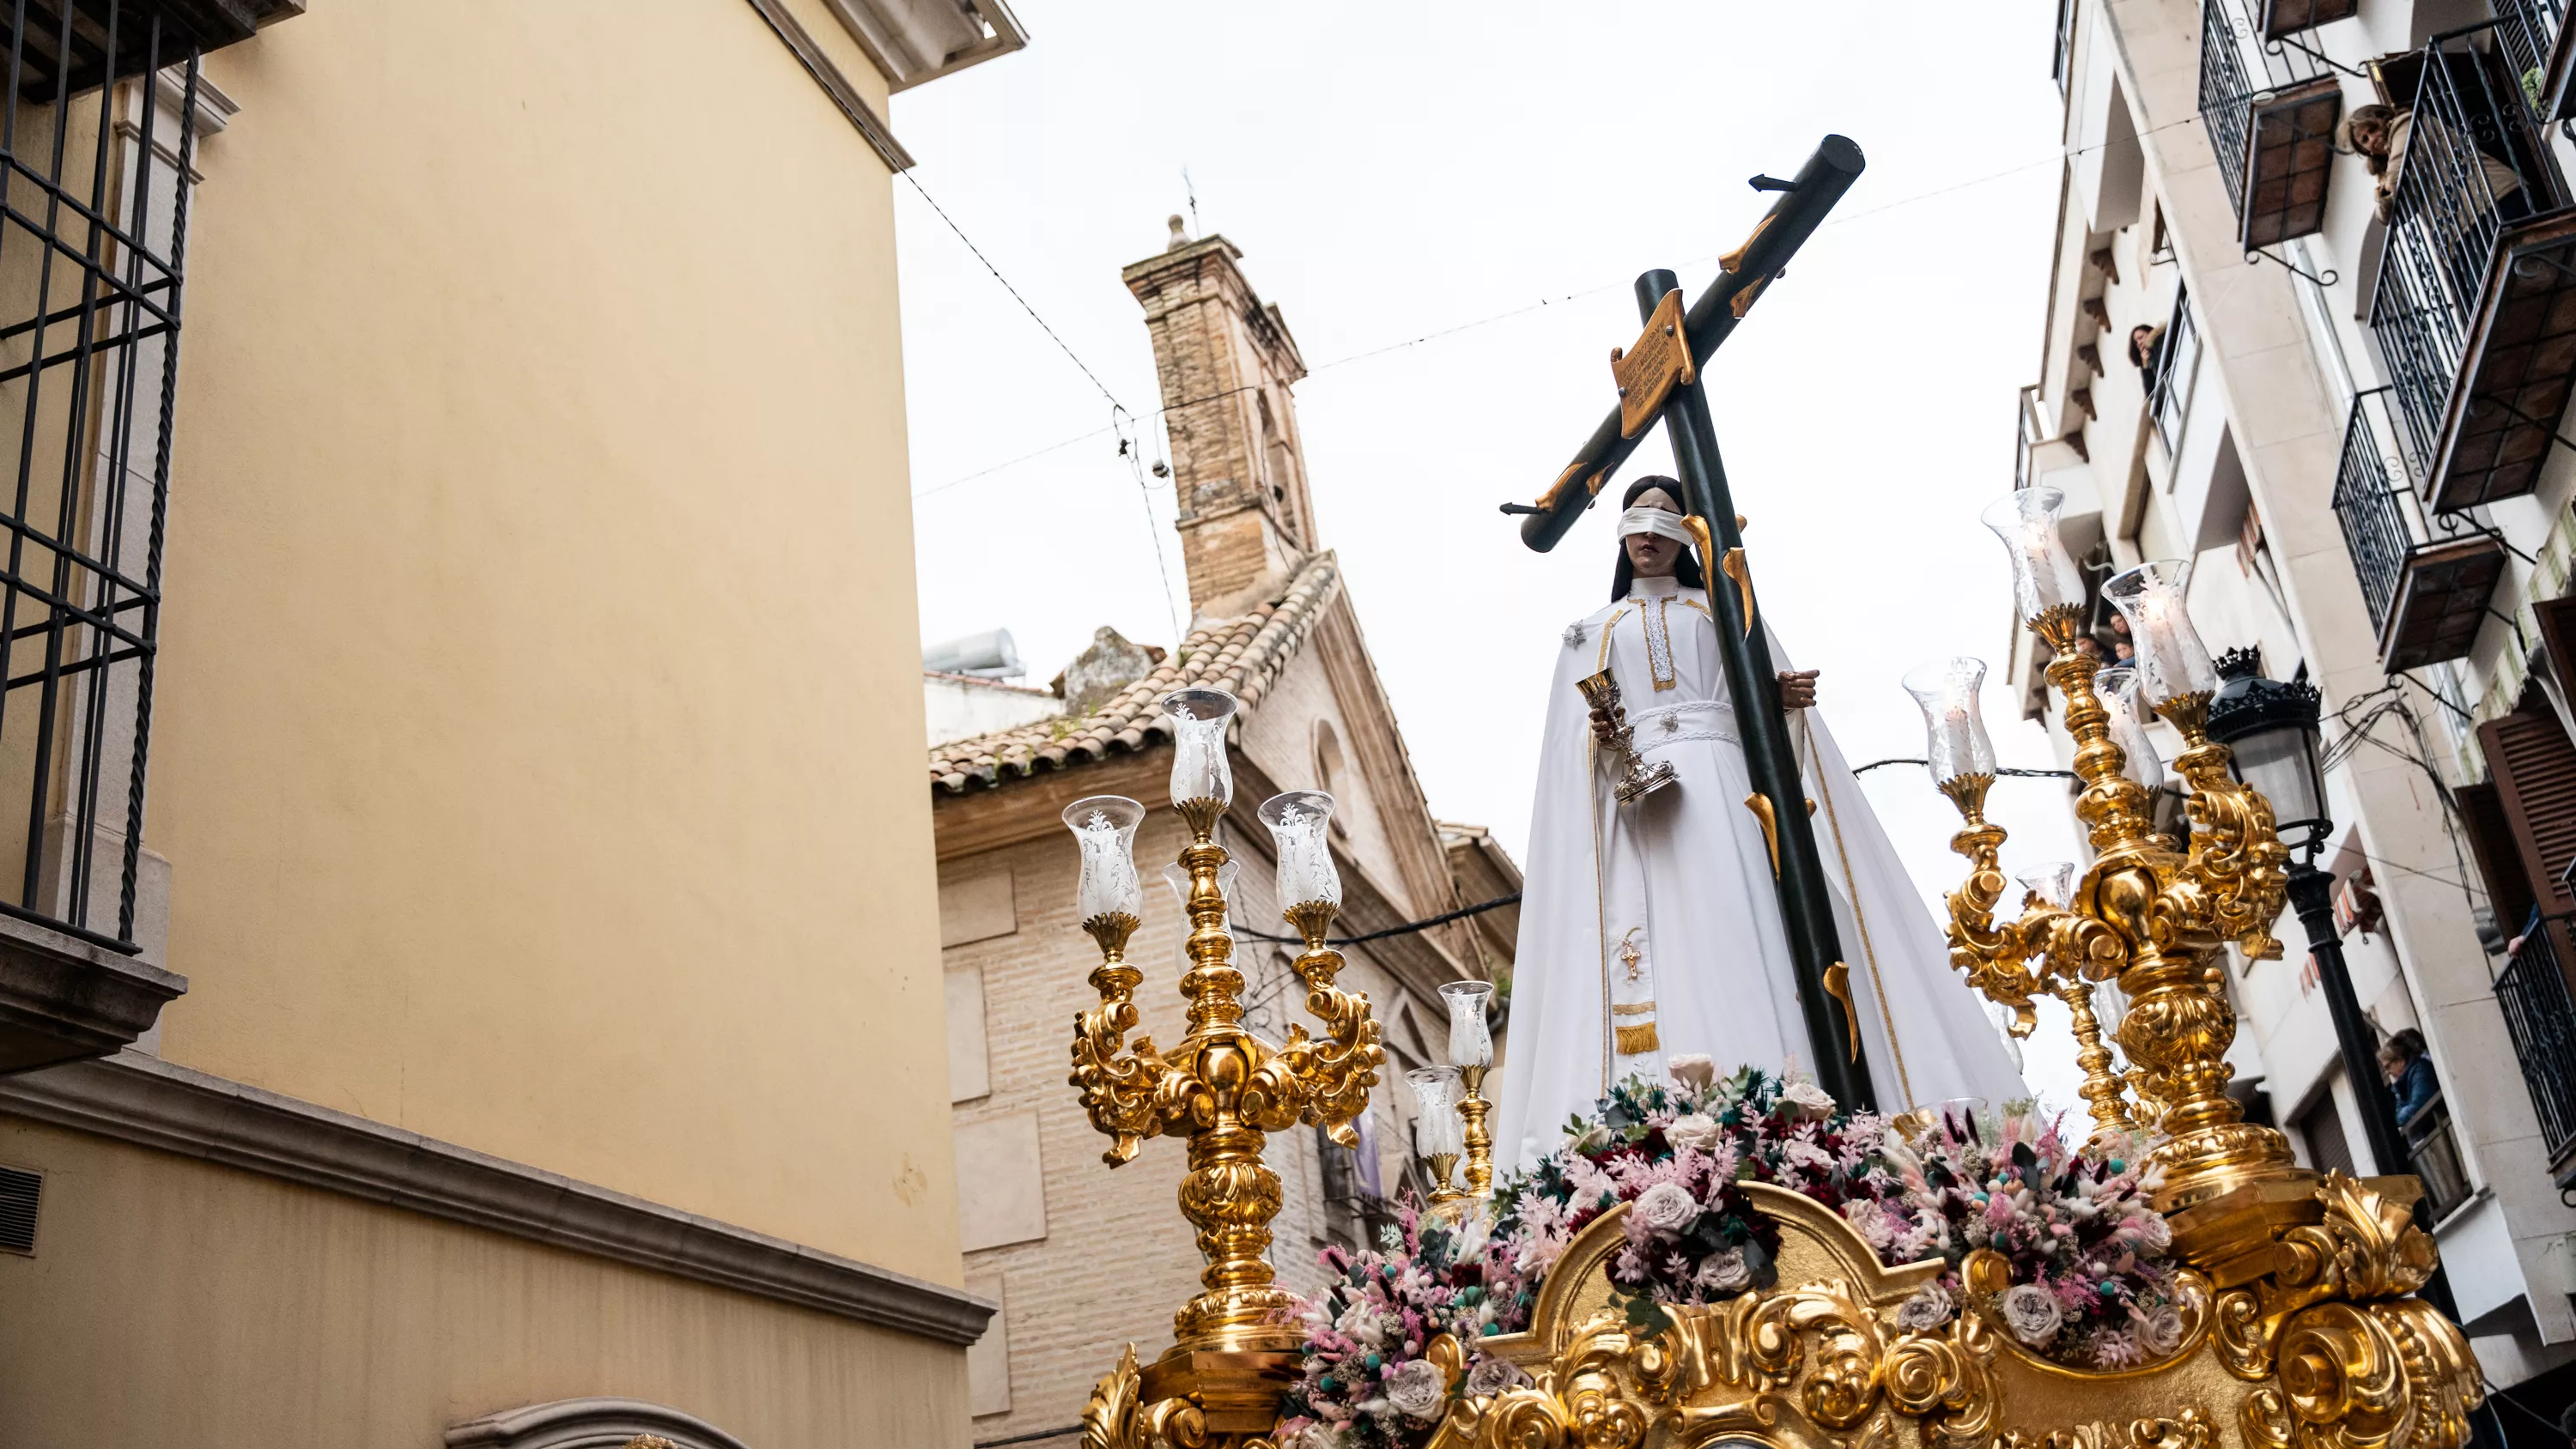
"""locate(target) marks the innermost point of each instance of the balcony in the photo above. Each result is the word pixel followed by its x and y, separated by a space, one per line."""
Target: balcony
pixel 2475 310
pixel 2270 105
pixel 2426 586
pixel 2532 992
pixel 2283 18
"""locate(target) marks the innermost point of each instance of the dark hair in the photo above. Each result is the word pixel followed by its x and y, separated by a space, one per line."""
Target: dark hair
pixel 2405 1046
pixel 1686 569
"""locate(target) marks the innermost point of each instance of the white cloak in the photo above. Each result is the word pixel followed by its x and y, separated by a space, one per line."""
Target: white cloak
pixel 1665 911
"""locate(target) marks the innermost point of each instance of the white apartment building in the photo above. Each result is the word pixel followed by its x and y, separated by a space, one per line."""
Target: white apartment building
pixel 2350 411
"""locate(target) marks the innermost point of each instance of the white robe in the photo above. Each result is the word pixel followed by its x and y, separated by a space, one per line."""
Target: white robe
pixel 1682 881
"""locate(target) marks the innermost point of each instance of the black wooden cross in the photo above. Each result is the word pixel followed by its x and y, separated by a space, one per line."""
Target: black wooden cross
pixel 1659 378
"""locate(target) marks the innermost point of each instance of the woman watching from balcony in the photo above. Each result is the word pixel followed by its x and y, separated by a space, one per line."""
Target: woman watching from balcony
pixel 2381 135
pixel 2410 1073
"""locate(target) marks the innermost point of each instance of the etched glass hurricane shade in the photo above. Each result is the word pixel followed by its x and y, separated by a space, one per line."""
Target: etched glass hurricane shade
pixel 1177 876
pixel 1471 1042
pixel 1954 730
pixel 1105 828
pixel 2053 883
pixel 2171 659
pixel 1200 770
pixel 2044 575
pixel 1438 1129
pixel 1299 821
pixel 2117 688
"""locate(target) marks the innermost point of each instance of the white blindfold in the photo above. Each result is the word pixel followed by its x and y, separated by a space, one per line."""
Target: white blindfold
pixel 1660 521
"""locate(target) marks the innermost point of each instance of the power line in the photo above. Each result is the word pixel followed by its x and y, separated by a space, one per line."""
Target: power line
pixel 1014 291
pixel 1525 309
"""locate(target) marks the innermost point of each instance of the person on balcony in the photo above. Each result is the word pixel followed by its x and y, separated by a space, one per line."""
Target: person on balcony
pixel 2410 1074
pixel 2382 135
pixel 1652 929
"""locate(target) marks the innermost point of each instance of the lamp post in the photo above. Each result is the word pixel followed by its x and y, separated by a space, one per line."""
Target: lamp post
pixel 2273 729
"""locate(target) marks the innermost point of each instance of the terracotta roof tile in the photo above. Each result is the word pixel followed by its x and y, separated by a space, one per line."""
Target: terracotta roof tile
pixel 1243 654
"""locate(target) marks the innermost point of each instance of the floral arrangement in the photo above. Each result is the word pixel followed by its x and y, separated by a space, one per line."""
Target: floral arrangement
pixel 1367 1383
pixel 1678 1151
pixel 2090 1282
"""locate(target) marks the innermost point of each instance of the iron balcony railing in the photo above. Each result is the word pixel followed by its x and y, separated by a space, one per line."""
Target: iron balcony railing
pixel 2424 579
pixel 2470 168
pixel 2433 1155
pixel 95 151
pixel 2240 69
pixel 2527 36
pixel 2025 433
pixel 2532 992
pixel 2374 500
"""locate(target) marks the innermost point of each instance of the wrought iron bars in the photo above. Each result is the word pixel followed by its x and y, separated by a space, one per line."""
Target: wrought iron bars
pixel 95 159
pixel 2532 990
pixel 2425 582
pixel 2470 167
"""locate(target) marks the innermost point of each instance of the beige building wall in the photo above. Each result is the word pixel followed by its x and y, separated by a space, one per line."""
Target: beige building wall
pixel 534 745
pixel 176 1302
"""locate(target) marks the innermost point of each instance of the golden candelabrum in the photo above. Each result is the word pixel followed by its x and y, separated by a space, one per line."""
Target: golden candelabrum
pixel 2292 1317
pixel 1221 1087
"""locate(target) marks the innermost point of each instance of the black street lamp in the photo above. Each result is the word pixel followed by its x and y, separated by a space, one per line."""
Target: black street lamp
pixel 2272 728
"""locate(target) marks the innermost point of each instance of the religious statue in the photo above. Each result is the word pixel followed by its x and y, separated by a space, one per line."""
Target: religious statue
pixel 1651 926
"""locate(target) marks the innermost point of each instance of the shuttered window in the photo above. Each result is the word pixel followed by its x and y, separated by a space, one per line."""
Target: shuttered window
pixel 2534 766
pixel 2498 859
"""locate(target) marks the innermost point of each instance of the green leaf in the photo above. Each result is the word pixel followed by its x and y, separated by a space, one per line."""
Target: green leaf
pixel 1644 1313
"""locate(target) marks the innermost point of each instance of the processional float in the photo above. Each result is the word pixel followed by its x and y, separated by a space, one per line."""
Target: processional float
pixel 2297 1325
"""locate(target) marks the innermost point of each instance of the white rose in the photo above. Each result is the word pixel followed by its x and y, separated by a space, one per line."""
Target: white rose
pixel 1724 1272
pixel 1808 1099
pixel 2031 1312
pixel 1417 1389
pixel 1492 1376
pixel 1667 1208
pixel 1691 1071
pixel 1928 1309
pixel 2159 1328
pixel 2155 1235
pixel 1693 1129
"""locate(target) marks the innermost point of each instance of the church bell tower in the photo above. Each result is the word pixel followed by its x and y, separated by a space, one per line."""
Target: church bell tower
pixel 1226 362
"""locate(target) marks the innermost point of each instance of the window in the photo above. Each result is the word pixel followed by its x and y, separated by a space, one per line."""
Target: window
pixel 2321 1131
pixel 98 142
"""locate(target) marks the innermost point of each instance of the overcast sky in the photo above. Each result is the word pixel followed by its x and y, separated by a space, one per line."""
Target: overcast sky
pixel 1449 203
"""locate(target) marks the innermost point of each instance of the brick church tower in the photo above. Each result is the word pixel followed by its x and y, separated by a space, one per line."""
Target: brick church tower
pixel 1226 362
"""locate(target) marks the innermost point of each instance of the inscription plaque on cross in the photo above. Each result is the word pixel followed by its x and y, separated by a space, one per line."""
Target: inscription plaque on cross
pixel 1658 378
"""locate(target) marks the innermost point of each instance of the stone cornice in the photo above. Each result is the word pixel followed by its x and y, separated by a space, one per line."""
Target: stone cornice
pixel 140 1099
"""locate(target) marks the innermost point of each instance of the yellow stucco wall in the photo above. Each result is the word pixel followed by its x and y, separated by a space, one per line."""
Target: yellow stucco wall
pixel 537 745
pixel 171 1301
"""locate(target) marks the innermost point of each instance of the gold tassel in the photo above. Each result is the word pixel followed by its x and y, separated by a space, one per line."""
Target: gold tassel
pixel 1635 1039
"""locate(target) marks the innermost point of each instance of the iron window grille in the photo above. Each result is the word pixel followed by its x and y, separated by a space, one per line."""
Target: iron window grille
pixel 95 159
pixel 2470 169
pixel 2541 1019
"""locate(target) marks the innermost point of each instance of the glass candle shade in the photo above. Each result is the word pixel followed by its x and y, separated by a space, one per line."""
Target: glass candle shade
pixel 1177 876
pixel 1104 826
pixel 1200 770
pixel 1435 1093
pixel 1471 1042
pixel 2117 688
pixel 2044 574
pixel 2053 883
pixel 2171 659
pixel 1300 822
pixel 1954 730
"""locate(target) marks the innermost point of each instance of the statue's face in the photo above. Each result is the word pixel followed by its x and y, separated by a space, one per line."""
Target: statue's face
pixel 1651 555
